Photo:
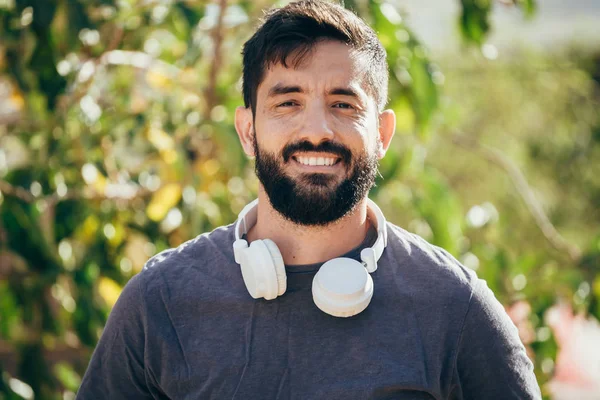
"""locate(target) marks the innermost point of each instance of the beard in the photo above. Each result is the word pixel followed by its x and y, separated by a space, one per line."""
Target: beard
pixel 315 199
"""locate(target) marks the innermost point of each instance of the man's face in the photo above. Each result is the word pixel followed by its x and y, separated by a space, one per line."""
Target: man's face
pixel 316 137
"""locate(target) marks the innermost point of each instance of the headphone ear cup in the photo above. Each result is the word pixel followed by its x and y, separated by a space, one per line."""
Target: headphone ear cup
pixel 342 287
pixel 278 264
pixel 258 271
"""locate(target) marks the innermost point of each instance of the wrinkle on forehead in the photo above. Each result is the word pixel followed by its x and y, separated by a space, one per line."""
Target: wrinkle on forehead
pixel 302 58
pixel 351 63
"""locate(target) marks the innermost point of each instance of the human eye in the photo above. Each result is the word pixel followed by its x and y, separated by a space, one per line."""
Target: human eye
pixel 344 106
pixel 289 103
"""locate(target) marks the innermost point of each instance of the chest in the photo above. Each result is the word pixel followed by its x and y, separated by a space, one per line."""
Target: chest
pixel 239 348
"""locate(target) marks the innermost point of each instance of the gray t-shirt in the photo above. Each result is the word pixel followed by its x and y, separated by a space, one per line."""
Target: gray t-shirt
pixel 186 328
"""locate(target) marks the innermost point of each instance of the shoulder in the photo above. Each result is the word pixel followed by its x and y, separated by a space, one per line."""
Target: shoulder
pixel 421 261
pixel 213 243
pixel 200 260
pixel 439 288
pixel 462 314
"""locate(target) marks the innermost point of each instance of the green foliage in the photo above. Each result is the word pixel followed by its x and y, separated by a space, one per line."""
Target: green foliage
pixel 415 94
pixel 474 21
pixel 117 141
pixel 541 113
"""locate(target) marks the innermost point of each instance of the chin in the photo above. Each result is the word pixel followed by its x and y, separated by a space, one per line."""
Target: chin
pixel 320 180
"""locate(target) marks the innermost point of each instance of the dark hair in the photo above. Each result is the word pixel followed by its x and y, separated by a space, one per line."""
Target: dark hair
pixel 296 29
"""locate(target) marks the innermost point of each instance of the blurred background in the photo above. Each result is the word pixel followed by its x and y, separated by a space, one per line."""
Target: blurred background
pixel 117 142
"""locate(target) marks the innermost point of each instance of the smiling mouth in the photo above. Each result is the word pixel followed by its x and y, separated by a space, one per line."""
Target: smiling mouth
pixel 317 161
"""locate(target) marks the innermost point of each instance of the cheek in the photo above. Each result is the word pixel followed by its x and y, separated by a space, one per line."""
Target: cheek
pixel 272 135
pixel 358 133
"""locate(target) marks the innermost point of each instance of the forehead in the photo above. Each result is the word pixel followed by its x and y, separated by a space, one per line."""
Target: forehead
pixel 329 64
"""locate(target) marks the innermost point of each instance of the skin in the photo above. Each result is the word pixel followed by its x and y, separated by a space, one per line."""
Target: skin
pixel 324 99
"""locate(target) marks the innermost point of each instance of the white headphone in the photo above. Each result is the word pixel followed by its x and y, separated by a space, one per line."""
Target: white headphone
pixel 342 287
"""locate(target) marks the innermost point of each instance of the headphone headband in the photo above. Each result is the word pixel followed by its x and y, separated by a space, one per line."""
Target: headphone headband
pixel 378 218
pixel 248 216
pixel 246 219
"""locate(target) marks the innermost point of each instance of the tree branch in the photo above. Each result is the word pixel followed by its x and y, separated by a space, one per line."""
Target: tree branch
pixel 217 36
pixel 541 219
pixel 17 192
pixel 111 193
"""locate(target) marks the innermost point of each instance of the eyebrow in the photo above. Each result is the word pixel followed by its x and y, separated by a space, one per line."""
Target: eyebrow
pixel 279 89
pixel 344 91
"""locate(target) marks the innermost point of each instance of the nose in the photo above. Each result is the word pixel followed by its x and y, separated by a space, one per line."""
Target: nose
pixel 316 126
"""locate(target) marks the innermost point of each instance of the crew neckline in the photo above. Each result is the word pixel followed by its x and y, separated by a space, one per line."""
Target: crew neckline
pixel 368 241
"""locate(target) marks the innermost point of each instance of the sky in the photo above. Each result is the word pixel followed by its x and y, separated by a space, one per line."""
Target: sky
pixel 555 24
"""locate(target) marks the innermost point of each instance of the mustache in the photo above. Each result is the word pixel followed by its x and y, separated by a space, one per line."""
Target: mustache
pixel 325 147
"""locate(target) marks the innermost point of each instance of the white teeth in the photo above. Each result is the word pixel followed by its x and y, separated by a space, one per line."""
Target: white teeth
pixel 316 160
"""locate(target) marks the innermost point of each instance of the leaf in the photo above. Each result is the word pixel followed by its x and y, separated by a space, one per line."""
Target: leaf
pixel 529 7
pixel 424 93
pixel 192 16
pixel 474 20
pixel 82 317
pixel 67 376
pixel 42 61
pixel 160 139
pixel 88 230
pixel 43 13
pixel 22 221
pixel 44 64
pixel 71 214
pixel 405 115
pixel 8 307
pixel 410 78
pixel 163 200
pixel 109 290
pixel 158 80
pixel 77 20
pixel 596 286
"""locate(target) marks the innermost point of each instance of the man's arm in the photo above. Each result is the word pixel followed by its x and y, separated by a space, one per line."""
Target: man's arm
pixel 116 370
pixel 491 361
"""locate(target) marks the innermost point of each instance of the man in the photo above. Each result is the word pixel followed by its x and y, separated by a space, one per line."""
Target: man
pixel 298 321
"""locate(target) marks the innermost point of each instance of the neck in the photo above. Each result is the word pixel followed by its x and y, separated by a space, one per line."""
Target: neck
pixel 301 244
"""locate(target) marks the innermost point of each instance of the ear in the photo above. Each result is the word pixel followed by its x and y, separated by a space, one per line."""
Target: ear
pixel 244 125
pixel 387 128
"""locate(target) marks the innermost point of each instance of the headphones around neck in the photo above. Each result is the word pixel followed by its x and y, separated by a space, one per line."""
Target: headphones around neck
pixel 342 287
